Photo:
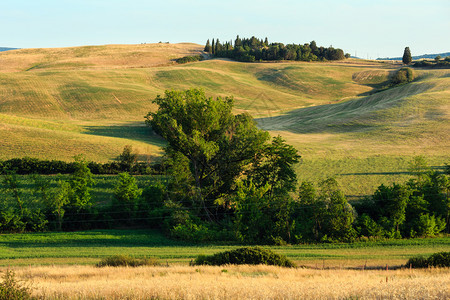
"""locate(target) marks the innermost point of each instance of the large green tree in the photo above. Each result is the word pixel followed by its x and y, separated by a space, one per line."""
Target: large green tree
pixel 209 146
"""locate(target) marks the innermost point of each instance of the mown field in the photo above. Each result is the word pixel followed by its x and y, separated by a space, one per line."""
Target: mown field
pixel 56 103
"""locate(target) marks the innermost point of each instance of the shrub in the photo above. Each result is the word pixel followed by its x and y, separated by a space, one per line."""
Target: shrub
pixel 245 256
pixel 440 259
pixel 404 75
pixel 126 261
pixel 417 262
pixel 187 59
pixel 10 289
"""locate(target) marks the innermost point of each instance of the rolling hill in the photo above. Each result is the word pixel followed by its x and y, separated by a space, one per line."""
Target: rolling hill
pixel 55 103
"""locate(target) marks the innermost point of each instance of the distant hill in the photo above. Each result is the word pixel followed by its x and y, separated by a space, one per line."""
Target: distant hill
pixel 424 56
pixel 7 49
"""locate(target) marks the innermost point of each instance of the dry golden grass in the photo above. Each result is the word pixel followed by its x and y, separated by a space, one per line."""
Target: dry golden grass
pixel 95 57
pixel 233 282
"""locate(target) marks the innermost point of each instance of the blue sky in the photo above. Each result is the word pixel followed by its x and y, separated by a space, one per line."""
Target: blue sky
pixel 368 28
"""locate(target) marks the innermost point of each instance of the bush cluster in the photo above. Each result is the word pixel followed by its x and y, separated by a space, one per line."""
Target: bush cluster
pixel 440 259
pixel 245 256
pixel 404 75
pixel 188 59
pixel 441 64
pixel 126 261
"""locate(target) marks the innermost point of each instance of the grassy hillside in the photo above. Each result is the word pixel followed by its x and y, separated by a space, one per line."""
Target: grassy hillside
pixel 55 103
pixel 95 57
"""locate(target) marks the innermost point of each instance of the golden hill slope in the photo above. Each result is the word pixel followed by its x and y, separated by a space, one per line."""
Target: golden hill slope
pixel 55 103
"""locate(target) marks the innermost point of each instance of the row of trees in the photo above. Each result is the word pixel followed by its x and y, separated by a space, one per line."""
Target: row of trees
pixel 125 162
pixel 253 49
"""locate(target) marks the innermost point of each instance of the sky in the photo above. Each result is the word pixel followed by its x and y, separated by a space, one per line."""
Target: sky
pixel 365 28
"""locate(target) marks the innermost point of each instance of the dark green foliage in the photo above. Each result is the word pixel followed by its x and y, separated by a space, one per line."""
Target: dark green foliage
pixel 391 204
pixel 126 198
pixel 417 262
pixel 127 159
pixel 274 167
pixel 402 76
pixel 367 227
pixel 427 213
pixel 440 259
pixel 11 289
pixel 440 64
pixel 17 212
pixel 324 215
pixel 338 215
pixel 245 256
pixel 308 212
pixel 27 165
pixel 127 261
pixel 253 49
pixel 407 59
pixel 447 169
pixel 208 146
pixel 207 48
pixel 187 59
pixel 428 225
pixel 254 213
pixel 195 230
pixel 209 151
pixel 81 182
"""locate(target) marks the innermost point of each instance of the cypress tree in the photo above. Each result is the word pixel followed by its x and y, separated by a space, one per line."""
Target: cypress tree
pixel 213 48
pixel 237 42
pixel 407 59
pixel 218 46
pixel 207 47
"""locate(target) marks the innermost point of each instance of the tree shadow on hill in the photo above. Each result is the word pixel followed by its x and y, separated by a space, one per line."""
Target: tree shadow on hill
pixel 376 88
pixel 136 132
pixel 328 118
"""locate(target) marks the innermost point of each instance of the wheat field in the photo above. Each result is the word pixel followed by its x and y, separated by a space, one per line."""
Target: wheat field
pixel 232 282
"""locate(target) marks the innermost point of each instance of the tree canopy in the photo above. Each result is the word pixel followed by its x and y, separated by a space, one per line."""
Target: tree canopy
pixel 407 59
pixel 213 148
pixel 254 49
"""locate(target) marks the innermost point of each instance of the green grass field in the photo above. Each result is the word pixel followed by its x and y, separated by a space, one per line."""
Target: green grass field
pixel 56 103
pixel 88 247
